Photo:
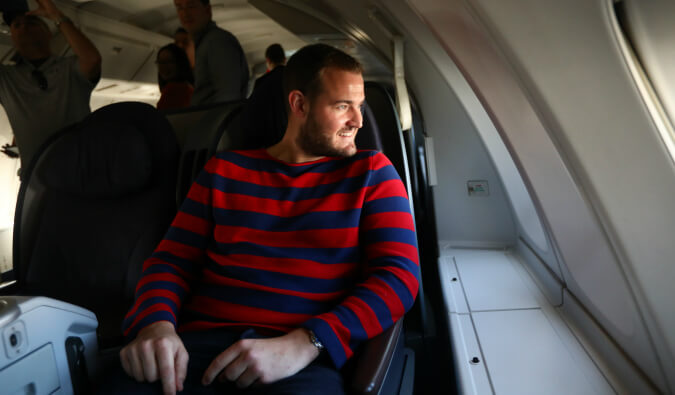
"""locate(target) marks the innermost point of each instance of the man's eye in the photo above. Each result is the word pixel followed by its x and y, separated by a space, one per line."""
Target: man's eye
pixel 342 107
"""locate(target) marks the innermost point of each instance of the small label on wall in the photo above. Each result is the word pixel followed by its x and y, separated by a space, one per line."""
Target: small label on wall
pixel 478 188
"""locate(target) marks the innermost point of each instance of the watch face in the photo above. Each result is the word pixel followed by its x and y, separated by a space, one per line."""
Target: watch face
pixel 315 341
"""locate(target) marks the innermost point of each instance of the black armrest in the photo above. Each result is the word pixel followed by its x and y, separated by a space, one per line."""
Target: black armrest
pixel 373 360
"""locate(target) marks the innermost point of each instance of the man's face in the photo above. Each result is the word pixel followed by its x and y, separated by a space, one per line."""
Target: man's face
pixel 166 65
pixel 31 37
pixel 193 14
pixel 334 115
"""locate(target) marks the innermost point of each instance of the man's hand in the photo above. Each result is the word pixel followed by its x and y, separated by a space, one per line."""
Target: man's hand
pixel 157 353
pixel 10 150
pixel 47 9
pixel 262 360
pixel 88 56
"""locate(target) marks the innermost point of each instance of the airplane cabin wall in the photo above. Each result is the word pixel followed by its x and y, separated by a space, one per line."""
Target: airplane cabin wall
pixel 461 157
pixel 553 77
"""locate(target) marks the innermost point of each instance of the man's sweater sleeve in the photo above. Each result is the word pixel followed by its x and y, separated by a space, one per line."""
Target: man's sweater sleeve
pixel 391 268
pixel 168 273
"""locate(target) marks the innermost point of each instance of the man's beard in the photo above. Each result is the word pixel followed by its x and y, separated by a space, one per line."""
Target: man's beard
pixel 315 143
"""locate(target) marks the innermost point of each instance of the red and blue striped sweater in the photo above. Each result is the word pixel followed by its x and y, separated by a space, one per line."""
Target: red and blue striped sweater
pixel 327 245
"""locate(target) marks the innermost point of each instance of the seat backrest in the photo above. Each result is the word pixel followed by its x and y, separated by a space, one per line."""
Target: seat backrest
pixel 264 116
pixel 381 365
pixel 96 202
pixel 183 120
pixel 382 130
pixel 200 140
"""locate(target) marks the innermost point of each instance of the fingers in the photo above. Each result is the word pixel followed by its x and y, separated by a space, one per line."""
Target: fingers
pixel 45 8
pixel 235 369
pixel 242 370
pixel 220 362
pixel 247 378
pixel 136 366
pixel 167 372
pixel 148 362
pixel 180 365
pixel 126 365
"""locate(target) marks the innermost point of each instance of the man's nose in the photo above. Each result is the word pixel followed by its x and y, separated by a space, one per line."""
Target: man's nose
pixel 356 121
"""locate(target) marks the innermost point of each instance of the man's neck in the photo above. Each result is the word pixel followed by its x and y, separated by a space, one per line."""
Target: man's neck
pixel 288 151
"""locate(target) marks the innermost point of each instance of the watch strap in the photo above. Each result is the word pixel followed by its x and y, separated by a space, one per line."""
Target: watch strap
pixel 315 341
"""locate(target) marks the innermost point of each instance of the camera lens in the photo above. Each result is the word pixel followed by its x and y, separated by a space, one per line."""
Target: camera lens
pixel 13 340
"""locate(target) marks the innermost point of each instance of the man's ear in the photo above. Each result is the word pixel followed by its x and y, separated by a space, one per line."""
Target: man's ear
pixel 298 104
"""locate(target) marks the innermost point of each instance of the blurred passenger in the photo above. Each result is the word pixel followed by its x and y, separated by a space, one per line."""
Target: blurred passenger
pixel 174 76
pixel 275 57
pixel 264 114
pixel 43 93
pixel 183 40
pixel 221 71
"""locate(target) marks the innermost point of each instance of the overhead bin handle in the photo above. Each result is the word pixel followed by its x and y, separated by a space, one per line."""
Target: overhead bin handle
pixel 402 98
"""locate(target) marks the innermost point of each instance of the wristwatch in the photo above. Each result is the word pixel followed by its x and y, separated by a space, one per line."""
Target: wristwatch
pixel 315 341
pixel 59 21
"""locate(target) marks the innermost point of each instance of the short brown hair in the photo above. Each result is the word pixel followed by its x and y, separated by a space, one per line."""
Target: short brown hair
pixel 303 71
pixel 275 54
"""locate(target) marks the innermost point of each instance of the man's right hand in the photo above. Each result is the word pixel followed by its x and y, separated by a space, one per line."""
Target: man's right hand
pixel 157 353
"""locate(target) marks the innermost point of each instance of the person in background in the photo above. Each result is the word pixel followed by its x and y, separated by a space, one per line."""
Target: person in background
pixel 174 76
pixel 221 70
pixel 275 57
pixel 42 92
pixel 264 115
pixel 183 40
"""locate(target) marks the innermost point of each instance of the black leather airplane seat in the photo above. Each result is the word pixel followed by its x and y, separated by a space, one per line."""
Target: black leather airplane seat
pixel 93 205
pixel 200 130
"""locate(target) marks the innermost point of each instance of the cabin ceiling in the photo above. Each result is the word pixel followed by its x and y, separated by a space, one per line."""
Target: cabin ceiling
pixel 295 23
pixel 254 29
pixel 129 32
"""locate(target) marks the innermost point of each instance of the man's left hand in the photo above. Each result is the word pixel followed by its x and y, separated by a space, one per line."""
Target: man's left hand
pixel 262 361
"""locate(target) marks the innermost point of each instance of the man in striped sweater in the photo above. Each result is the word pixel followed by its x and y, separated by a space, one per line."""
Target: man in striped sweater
pixel 282 260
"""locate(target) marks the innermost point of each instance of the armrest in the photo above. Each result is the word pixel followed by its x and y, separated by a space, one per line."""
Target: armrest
pixel 373 360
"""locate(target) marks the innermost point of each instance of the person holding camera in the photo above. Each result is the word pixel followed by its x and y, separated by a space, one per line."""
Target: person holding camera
pixel 43 93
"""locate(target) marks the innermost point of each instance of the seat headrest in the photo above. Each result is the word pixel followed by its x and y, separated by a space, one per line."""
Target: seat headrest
pixel 107 155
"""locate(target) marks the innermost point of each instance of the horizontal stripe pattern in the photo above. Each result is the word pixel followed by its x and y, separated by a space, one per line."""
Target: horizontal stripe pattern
pixel 327 245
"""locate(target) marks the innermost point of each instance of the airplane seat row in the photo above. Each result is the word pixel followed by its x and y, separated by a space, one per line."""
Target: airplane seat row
pixel 93 205
pixel 102 193
pixel 200 130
